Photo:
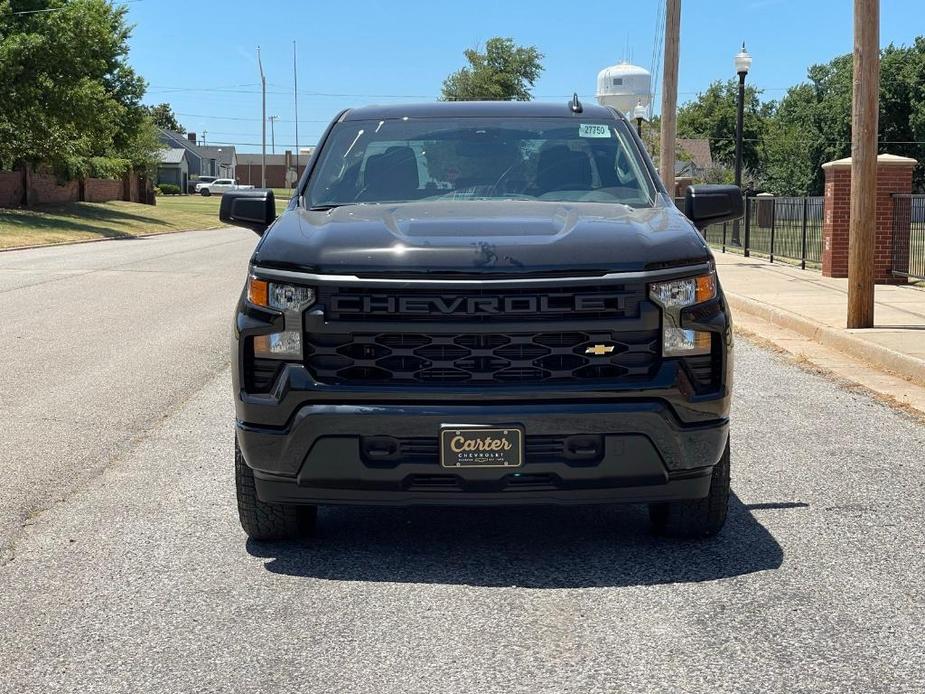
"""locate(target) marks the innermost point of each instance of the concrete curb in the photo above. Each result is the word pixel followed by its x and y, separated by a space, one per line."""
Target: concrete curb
pixel 108 238
pixel 876 355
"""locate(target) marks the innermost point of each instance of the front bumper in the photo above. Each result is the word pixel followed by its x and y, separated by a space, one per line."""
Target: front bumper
pixel 645 454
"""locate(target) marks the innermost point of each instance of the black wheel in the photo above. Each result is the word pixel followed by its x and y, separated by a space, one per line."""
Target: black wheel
pixel 205 192
pixel 263 521
pixel 696 518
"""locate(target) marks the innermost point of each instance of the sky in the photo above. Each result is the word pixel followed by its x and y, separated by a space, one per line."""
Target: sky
pixel 201 56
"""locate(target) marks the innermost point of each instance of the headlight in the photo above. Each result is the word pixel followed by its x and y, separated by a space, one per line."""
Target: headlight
pixel 682 293
pixel 284 345
pixel 292 300
pixel 283 297
pixel 673 296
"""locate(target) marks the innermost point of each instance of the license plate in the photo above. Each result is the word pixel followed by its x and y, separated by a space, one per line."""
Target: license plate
pixel 472 446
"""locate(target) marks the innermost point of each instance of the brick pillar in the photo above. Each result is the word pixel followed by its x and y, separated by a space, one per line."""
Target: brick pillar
pixel 894 175
pixel 835 219
pixel 893 178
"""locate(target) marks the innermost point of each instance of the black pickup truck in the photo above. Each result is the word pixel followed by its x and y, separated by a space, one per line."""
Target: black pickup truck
pixel 481 303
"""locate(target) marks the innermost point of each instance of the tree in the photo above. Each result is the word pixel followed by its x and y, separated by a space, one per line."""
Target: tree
pixel 68 97
pixel 504 72
pixel 712 115
pixel 164 117
pixel 812 123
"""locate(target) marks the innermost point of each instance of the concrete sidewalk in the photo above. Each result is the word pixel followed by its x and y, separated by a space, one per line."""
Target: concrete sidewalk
pixel 816 307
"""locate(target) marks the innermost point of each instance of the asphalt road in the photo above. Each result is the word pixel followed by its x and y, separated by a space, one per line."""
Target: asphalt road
pixel 137 578
pixel 99 343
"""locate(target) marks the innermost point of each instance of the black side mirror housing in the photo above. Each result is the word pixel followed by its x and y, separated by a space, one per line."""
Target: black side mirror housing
pixel 713 204
pixel 253 209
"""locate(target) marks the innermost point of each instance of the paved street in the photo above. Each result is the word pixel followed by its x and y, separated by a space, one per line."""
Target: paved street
pixel 126 571
pixel 100 342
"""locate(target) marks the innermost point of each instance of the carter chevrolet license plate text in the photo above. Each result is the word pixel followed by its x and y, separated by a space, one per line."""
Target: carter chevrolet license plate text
pixel 462 447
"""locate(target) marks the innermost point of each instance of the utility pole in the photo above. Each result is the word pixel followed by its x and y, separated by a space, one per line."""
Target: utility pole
pixel 295 86
pixel 273 120
pixel 862 227
pixel 204 133
pixel 263 84
pixel 670 94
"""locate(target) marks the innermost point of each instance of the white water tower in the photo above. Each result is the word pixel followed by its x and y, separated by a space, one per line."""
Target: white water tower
pixel 623 86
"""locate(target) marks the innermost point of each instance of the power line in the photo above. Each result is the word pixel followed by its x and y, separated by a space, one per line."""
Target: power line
pixel 60 9
pixel 257 144
pixel 656 63
pixel 800 140
pixel 249 120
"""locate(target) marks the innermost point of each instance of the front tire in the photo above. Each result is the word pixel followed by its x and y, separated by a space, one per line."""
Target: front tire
pixel 696 518
pixel 205 192
pixel 268 522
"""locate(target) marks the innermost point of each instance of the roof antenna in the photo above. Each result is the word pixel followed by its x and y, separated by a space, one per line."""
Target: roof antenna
pixel 575 104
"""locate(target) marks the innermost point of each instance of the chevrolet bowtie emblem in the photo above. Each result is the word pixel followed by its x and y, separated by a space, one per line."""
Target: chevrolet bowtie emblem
pixel 599 350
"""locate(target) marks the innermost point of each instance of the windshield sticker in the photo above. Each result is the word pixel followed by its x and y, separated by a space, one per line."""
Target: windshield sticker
pixel 593 130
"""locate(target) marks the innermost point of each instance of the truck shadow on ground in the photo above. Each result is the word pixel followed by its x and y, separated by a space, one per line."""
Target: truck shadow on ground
pixel 531 547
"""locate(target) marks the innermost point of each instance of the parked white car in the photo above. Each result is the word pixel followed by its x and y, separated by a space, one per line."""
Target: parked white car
pixel 219 186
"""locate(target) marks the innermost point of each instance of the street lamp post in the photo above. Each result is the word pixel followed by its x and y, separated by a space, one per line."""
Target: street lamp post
pixel 743 61
pixel 640 113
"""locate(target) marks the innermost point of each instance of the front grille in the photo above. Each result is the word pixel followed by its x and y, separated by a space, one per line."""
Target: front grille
pixel 484 305
pixel 575 449
pixel 480 359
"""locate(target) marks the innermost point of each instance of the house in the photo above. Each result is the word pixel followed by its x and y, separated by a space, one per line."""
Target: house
pixel 173 168
pixel 186 142
pixel 281 169
pixel 217 161
pixel 695 158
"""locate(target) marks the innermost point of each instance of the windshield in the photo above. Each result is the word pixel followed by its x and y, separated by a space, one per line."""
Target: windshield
pixel 553 159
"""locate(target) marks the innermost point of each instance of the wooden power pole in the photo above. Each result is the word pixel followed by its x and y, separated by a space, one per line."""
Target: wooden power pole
pixel 862 229
pixel 669 130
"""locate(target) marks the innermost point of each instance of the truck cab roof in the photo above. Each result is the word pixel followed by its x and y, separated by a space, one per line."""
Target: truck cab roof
pixel 479 109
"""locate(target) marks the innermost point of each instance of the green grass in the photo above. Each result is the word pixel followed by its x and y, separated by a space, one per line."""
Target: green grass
pixel 80 221
pixel 788 238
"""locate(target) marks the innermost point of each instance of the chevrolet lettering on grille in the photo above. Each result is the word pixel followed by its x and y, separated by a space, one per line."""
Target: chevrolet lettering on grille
pixel 478 305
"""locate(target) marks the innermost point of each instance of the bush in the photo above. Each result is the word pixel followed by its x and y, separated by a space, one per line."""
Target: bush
pixel 108 167
pixel 169 189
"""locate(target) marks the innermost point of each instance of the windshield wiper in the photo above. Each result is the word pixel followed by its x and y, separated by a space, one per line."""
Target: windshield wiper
pixel 334 205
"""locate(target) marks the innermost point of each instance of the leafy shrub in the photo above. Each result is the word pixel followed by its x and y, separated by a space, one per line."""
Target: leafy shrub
pixel 108 167
pixel 169 189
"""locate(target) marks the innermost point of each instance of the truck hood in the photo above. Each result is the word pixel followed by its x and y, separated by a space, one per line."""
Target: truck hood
pixel 476 237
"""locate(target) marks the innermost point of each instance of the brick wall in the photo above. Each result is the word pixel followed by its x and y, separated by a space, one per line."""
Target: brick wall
pixel 890 180
pixel 46 190
pixel 835 222
pixel 102 190
pixel 249 174
pixel 10 188
pixel 894 175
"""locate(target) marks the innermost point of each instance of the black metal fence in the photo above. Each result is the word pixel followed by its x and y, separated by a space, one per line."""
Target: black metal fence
pixel 909 236
pixel 776 227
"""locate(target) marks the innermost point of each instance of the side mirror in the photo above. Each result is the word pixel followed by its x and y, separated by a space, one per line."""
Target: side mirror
pixel 713 204
pixel 253 209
